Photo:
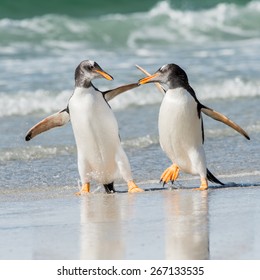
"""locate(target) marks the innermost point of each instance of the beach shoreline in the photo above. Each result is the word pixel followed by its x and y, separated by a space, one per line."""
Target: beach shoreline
pixel 161 223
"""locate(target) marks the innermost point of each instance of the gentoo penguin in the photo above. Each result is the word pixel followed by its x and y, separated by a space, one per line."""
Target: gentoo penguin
pixel 181 127
pixel 204 109
pixel 100 154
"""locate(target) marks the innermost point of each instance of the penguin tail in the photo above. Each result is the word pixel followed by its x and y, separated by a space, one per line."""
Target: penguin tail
pixel 109 188
pixel 212 178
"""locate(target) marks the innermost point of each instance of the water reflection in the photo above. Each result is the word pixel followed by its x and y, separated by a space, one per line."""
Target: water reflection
pixel 153 225
pixel 101 232
pixel 186 228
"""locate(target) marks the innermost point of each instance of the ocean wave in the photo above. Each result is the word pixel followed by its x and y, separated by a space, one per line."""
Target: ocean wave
pixel 41 101
pixel 39 54
pixel 35 152
pixel 161 25
pixel 233 88
pixel 165 25
pixel 141 142
pixel 24 103
pixel 39 152
pixel 225 131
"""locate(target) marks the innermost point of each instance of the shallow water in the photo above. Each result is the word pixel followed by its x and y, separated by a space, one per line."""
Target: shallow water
pixel 50 158
pixel 160 224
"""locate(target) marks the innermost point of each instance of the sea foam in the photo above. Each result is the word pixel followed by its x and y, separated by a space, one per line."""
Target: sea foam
pixel 24 103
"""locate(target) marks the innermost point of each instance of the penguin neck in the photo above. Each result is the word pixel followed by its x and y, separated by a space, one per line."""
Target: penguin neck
pixel 83 91
pixel 82 82
pixel 185 86
pixel 178 83
pixel 176 92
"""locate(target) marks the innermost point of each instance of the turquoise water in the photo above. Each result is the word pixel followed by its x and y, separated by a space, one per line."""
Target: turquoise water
pixel 91 8
pixel 218 46
pixel 216 43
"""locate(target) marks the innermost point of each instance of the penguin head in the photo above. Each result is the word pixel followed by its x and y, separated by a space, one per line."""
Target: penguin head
pixel 88 70
pixel 170 74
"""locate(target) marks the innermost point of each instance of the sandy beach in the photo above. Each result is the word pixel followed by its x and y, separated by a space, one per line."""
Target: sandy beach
pixel 221 223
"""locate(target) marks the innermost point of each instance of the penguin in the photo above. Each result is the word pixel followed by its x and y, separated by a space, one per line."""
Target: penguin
pixel 180 125
pixel 204 109
pixel 99 150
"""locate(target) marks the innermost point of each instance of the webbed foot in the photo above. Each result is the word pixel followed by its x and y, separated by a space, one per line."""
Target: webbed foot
pixel 170 174
pixel 84 190
pixel 133 188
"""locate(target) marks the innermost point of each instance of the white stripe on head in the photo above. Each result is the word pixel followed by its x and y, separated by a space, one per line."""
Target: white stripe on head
pixel 161 69
pixel 91 62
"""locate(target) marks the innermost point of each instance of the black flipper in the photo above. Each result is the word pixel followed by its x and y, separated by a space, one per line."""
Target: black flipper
pixel 212 178
pixel 109 188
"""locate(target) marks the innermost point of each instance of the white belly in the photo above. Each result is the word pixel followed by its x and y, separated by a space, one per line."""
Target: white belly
pixel 96 133
pixel 180 131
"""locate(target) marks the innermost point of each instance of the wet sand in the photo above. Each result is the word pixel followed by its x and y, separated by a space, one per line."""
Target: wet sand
pixel 178 223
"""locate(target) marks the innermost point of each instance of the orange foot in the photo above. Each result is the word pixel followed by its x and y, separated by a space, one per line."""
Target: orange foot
pixel 84 190
pixel 203 185
pixel 133 188
pixel 170 174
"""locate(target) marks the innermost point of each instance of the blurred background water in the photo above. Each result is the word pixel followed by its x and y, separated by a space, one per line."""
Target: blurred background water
pixel 216 42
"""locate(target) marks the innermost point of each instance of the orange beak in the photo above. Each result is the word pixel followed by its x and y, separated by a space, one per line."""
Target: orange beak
pixel 148 79
pixel 104 74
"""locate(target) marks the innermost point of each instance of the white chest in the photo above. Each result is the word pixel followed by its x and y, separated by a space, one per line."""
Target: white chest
pixel 179 124
pixel 92 119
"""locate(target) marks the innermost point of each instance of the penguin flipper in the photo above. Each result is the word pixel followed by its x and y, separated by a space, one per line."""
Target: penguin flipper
pixel 158 85
pixel 222 118
pixel 55 120
pixel 110 94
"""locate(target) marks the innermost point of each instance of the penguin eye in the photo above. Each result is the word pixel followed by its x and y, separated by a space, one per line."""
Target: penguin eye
pixel 88 67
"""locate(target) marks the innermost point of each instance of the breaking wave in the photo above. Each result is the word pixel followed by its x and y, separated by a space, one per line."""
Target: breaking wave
pixel 24 103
